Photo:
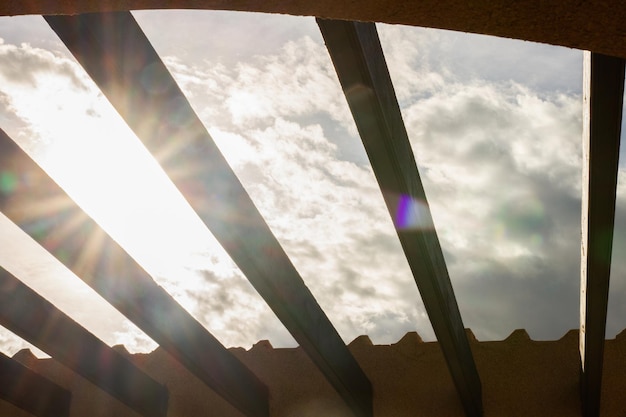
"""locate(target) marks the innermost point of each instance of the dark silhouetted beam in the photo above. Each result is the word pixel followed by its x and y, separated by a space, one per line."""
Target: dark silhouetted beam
pixel 31 317
pixel 32 392
pixel 603 90
pixel 358 58
pixel 121 60
pixel 79 243
pixel 595 24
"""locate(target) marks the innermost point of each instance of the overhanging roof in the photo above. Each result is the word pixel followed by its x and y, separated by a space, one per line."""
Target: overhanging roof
pixel 590 25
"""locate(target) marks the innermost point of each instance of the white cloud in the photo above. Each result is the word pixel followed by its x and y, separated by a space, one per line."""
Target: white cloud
pixel 22 64
pixel 132 338
pixel 282 123
pixel 77 136
pixel 180 253
pixel 299 81
pixel 498 153
pixel 10 344
pixel 330 218
pixel 500 161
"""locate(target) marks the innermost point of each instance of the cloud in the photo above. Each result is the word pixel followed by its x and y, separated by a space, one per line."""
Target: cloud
pixel 501 166
pixel 284 126
pixel 132 338
pixel 468 57
pixel 10 344
pixel 70 129
pixel 22 64
pixel 231 309
pixel 500 161
pixel 248 34
pixel 298 82
pixel 499 155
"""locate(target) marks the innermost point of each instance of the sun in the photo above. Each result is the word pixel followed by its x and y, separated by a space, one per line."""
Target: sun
pixel 104 173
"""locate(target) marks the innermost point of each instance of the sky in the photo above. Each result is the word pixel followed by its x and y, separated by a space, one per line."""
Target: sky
pixel 495 126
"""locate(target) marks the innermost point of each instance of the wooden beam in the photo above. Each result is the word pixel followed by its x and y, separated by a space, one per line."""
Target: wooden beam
pixel 69 234
pixel 603 91
pixel 594 25
pixel 117 55
pixel 32 392
pixel 31 317
pixel 358 58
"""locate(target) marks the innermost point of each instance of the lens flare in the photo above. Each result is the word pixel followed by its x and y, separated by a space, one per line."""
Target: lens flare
pixel 412 214
pixel 8 182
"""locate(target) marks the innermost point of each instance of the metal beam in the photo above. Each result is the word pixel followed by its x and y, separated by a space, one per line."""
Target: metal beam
pixel 69 235
pixel 121 60
pixel 32 392
pixel 594 25
pixel 360 64
pixel 603 91
pixel 31 317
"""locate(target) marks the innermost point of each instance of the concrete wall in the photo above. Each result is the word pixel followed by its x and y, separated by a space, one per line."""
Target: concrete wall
pixel 520 377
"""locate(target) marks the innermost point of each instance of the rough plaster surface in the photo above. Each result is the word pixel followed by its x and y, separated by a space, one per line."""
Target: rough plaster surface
pixel 520 377
pixel 596 25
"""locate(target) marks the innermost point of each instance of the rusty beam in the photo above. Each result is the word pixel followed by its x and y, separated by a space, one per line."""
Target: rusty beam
pixel 31 392
pixel 358 58
pixel 118 56
pixel 81 245
pixel 31 317
pixel 603 92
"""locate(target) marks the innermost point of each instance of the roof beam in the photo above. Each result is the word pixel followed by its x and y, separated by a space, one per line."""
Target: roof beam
pixel 31 317
pixel 603 91
pixel 360 64
pixel 32 392
pixel 115 52
pixel 592 25
pixel 69 235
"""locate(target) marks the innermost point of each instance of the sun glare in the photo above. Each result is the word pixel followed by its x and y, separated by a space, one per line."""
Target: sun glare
pixel 124 190
pixel 76 136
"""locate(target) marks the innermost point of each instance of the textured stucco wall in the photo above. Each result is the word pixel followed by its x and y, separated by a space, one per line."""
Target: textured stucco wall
pixel 596 25
pixel 520 377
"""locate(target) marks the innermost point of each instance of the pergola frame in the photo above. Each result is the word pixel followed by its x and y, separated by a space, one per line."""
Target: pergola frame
pixel 603 92
pixel 358 57
pixel 604 77
pixel 30 391
pixel 103 44
pixel 31 317
pixel 128 287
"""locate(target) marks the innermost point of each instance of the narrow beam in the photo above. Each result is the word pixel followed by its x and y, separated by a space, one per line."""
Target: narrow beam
pixel 603 91
pixel 31 317
pixel 595 25
pixel 360 64
pixel 32 392
pixel 119 58
pixel 81 245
